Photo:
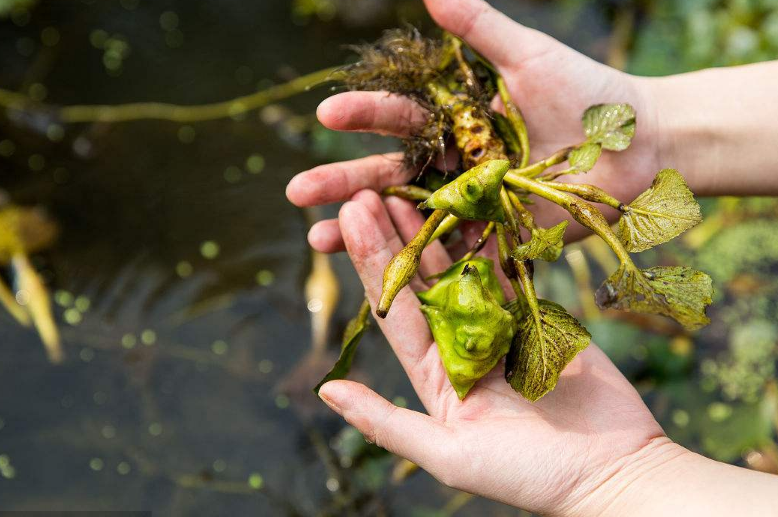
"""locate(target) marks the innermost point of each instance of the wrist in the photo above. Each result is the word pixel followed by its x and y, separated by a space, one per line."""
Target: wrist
pixel 622 488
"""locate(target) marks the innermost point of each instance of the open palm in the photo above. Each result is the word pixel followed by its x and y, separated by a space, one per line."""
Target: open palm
pixel 549 456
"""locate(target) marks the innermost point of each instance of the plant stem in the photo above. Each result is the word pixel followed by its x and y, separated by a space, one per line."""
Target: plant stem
pixel 403 266
pixel 171 112
pixel 409 192
pixel 589 193
pixel 448 225
pixel 582 211
pixel 481 242
pixel 538 168
pixel 507 263
pixel 516 119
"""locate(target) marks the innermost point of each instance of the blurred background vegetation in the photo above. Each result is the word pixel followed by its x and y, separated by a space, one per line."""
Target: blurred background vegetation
pixel 178 272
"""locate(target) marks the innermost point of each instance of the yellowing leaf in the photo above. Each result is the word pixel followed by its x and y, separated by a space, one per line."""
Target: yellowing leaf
pixel 542 348
pixel 612 125
pixel 661 213
pixel 678 292
pixel 543 244
pixel 351 338
pixel 583 158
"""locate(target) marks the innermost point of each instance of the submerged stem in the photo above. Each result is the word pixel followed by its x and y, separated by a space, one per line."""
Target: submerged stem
pixel 481 242
pixel 516 119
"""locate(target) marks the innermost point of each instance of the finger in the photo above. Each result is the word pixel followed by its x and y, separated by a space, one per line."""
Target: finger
pixel 339 181
pixel 404 327
pixel 374 112
pixel 409 434
pixel 500 39
pixel 324 236
pixel 408 221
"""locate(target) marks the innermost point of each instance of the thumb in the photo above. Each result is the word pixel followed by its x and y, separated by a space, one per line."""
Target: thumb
pixel 500 39
pixel 409 434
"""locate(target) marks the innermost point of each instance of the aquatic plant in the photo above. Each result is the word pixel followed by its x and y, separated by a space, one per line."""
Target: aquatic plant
pixel 472 325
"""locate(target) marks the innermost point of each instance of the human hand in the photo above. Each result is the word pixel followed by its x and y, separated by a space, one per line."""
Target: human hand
pixel 553 457
pixel 553 85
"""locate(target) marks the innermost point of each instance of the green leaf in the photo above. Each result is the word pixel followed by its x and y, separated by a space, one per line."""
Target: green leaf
pixel 438 293
pixel 475 195
pixel 583 158
pixel 661 213
pixel 544 244
pixel 542 348
pixel 471 330
pixel 612 125
pixel 351 338
pixel 678 292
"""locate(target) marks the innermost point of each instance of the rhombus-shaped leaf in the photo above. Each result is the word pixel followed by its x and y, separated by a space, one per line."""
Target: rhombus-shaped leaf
pixel 661 213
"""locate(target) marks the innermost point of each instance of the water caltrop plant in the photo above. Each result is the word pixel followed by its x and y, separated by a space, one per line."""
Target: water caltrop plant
pixel 473 325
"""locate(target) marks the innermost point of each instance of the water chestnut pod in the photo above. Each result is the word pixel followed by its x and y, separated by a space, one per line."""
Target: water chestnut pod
pixel 475 195
pixel 470 328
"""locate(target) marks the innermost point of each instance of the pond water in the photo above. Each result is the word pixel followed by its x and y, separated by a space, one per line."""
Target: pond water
pixel 179 267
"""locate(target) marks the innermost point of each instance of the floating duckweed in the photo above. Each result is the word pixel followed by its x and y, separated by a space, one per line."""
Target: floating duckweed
pixel 55 132
pixel 98 38
pixel 265 366
pixel 255 163
pixel 718 411
pixel 232 174
pixel 72 317
pixel 82 304
pixel 96 464
pixel 86 354
pixel 155 429
pixel 333 485
pixel 282 402
pixel 168 21
pixel 682 346
pixel 7 148
pixel 6 469
pixel 4 460
pixel 63 298
pixel 123 468
pixel 256 481
pixel 219 466
pixel 50 36
pixel 681 418
pixel 186 134
pixel 400 401
pixel 129 341
pixel 265 277
pixel 36 162
pixel 184 269
pixel 37 92
pixel 21 17
pixel 116 50
pixel 209 249
pixel 219 347
pixel 108 432
pixel 148 337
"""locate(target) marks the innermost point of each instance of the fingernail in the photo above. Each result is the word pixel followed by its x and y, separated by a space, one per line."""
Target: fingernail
pixel 330 403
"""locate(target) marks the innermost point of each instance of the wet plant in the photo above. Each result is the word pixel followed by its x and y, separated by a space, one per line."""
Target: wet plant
pixel 473 326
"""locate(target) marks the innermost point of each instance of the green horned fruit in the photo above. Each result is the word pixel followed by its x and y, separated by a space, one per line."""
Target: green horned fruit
pixel 472 331
pixel 475 195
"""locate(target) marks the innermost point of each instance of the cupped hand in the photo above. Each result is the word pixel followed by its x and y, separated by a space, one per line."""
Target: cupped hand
pixel 553 85
pixel 554 456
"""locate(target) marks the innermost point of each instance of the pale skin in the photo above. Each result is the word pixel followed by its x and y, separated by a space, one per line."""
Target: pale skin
pixel 591 446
